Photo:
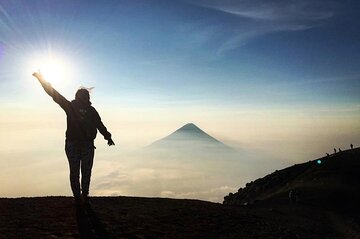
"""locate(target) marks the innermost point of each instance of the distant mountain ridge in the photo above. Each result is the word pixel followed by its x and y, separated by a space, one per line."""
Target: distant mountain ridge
pixel 189 136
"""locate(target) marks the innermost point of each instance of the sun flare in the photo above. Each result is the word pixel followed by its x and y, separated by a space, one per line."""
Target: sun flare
pixel 55 70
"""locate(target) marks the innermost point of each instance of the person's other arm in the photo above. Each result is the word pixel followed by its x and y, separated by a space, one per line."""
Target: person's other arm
pixel 102 129
pixel 57 97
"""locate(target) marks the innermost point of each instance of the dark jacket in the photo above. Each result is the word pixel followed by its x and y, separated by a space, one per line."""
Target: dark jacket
pixel 83 120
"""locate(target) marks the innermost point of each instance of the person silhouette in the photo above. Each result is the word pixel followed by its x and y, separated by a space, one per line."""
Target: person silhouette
pixel 351 146
pixel 334 150
pixel 83 121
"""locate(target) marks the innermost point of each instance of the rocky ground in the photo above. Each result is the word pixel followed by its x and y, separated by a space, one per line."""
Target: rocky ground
pixel 130 217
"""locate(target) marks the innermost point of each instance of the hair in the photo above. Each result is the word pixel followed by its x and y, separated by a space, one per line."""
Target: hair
pixel 86 88
pixel 83 94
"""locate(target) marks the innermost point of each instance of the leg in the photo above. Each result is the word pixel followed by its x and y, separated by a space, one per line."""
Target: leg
pixel 87 158
pixel 72 154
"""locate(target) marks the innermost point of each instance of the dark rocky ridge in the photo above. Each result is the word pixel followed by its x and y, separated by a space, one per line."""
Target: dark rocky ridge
pixel 333 182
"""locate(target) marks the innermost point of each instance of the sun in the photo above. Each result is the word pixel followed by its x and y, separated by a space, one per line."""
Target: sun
pixel 55 69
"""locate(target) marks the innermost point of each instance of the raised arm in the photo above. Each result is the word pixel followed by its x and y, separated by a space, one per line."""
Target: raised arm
pixel 57 97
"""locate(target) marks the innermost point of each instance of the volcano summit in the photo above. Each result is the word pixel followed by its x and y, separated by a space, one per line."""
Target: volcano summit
pixel 190 137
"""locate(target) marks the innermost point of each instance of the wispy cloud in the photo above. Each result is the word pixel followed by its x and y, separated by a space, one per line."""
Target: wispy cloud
pixel 261 17
pixel 279 10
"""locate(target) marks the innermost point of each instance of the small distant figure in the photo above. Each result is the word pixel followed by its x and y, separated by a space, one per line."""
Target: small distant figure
pixel 327 154
pixel 294 196
pixel 339 149
pixel 351 146
pixel 334 150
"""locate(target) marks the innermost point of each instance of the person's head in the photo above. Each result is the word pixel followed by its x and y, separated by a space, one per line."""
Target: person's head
pixel 82 95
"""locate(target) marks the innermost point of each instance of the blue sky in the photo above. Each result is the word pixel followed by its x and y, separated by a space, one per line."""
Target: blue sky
pixel 220 52
pixel 277 77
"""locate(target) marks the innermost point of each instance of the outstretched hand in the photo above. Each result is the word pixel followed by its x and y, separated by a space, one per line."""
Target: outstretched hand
pixel 38 75
pixel 110 142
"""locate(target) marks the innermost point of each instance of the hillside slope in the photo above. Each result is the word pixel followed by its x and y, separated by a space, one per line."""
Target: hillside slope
pixel 330 182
